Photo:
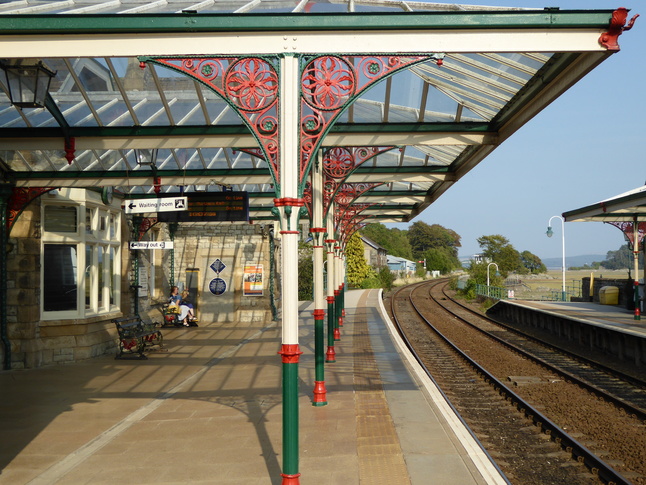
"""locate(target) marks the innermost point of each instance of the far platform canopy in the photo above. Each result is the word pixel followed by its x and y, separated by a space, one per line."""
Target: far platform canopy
pixel 627 207
pixel 473 76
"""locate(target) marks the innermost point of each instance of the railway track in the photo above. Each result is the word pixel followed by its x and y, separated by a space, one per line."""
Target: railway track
pixel 497 375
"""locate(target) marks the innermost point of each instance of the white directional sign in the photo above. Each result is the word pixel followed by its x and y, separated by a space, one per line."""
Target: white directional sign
pixel 164 204
pixel 151 244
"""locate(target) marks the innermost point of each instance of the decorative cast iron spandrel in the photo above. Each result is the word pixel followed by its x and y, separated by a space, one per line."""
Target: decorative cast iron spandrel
pixel 248 84
pixel 329 84
pixel 20 198
pixel 144 225
pixel 629 232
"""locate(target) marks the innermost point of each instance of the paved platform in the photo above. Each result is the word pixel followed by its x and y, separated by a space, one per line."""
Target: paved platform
pixel 208 410
pixel 611 316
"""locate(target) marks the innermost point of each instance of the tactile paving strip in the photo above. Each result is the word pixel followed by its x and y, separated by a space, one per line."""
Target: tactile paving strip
pixel 380 455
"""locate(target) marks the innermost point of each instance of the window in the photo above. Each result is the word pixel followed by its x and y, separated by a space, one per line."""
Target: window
pixel 81 265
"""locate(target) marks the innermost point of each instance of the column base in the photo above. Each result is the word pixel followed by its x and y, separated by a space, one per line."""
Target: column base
pixel 319 394
pixel 290 479
pixel 330 355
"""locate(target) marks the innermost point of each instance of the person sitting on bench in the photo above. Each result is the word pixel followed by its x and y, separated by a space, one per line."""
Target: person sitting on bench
pixel 186 314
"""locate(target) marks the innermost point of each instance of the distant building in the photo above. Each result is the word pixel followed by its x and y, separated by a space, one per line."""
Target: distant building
pixel 401 266
pixel 375 255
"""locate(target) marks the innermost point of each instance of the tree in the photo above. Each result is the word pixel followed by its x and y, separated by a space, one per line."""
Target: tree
pixel 305 272
pixel 357 268
pixel 441 259
pixel 394 241
pixel 532 262
pixel 497 249
pixel 621 259
pixel 423 237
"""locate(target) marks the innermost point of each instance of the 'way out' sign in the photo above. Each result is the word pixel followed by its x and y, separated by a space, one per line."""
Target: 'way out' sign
pixel 151 244
pixel 164 204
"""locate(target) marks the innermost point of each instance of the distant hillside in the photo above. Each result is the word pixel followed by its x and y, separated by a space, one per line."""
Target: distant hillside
pixel 574 260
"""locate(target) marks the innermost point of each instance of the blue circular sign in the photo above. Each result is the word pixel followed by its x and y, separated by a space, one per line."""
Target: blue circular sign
pixel 217 286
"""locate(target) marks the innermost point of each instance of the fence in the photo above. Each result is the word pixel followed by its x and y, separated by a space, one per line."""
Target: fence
pixel 493 292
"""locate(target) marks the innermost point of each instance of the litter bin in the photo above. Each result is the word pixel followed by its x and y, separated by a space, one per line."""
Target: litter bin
pixel 609 295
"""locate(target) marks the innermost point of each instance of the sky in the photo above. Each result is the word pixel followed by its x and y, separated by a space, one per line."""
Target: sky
pixel 587 146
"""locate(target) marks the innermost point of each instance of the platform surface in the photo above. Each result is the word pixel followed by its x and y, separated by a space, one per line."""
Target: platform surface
pixel 611 316
pixel 208 410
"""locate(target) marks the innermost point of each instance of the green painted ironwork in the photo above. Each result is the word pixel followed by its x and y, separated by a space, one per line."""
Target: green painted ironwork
pixel 331 314
pixel 290 419
pixel 493 292
pixel 71 24
pixel 172 229
pixel 272 276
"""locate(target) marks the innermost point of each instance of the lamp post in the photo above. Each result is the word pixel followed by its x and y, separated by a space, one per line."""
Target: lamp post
pixel 497 270
pixel 550 233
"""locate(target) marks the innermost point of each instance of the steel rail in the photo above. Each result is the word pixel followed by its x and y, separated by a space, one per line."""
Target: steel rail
pixel 638 412
pixel 428 373
pixel 579 452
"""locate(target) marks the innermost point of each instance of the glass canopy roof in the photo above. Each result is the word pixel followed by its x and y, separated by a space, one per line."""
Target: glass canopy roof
pixel 434 120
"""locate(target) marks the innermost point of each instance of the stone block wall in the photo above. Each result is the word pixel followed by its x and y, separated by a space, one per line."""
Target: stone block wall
pixel 626 289
pixel 198 246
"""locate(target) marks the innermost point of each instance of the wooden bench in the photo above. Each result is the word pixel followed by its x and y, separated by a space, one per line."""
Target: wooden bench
pixel 136 335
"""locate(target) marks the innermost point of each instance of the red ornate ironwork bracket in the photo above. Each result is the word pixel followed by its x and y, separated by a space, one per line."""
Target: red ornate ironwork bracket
pixel 144 225
pixel 617 26
pixel 629 232
pixel 20 198
pixel 329 84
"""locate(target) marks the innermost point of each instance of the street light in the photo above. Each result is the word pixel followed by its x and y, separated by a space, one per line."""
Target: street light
pixel 550 233
pixel 497 272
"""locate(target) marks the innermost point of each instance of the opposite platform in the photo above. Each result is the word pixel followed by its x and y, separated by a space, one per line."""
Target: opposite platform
pixel 208 410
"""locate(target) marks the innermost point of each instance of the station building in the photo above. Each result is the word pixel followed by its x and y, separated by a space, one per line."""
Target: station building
pixel 331 113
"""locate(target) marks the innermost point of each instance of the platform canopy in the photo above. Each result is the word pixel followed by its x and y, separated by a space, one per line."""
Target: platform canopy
pixel 626 207
pixel 468 78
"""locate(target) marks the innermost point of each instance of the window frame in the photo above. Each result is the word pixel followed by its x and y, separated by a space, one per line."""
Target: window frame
pixel 97 237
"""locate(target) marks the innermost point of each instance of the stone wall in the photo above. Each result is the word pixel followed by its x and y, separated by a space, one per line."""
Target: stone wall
pixel 235 245
pixel 626 289
pixel 36 343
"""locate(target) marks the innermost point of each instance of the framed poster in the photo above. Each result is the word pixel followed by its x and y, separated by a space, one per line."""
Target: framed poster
pixel 252 280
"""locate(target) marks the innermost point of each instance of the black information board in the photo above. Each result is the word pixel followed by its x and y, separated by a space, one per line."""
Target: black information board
pixel 213 206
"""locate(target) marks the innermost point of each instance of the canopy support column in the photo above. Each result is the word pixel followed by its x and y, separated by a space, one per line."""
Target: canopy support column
pixel 318 233
pixel 288 206
pixel 331 314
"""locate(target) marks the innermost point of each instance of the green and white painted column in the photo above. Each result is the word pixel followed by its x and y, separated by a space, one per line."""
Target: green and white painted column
pixel 331 314
pixel 288 206
pixel 318 234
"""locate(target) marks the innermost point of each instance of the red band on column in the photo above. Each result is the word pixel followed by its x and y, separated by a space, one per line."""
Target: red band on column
pixel 319 393
pixel 336 292
pixel 330 299
pixel 291 353
pixel 330 355
pixel 318 229
pixel 330 241
pixel 290 479
pixel 289 232
pixel 318 313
